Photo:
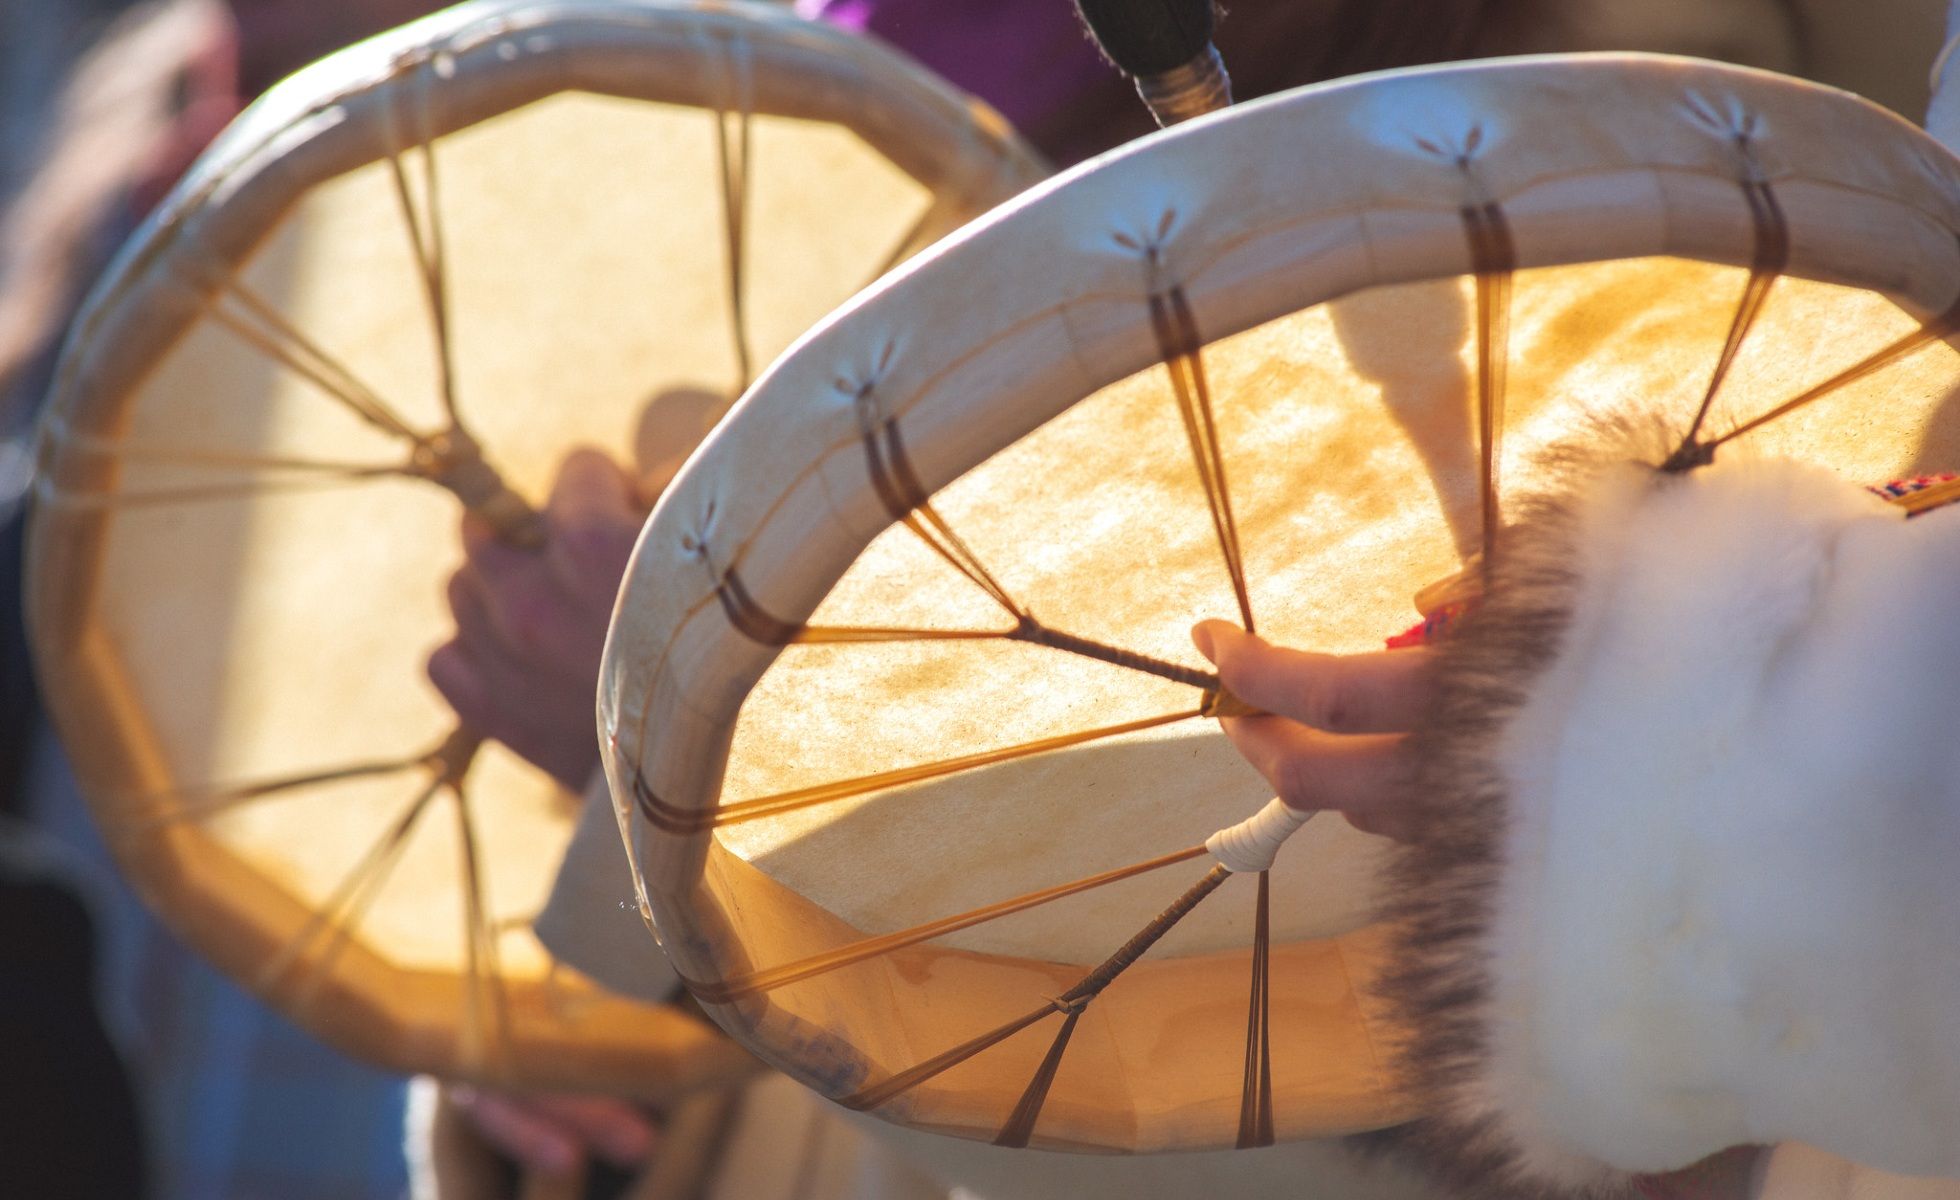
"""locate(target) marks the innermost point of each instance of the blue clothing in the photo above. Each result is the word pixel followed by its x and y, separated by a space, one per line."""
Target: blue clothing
pixel 238 1103
pixel 235 1103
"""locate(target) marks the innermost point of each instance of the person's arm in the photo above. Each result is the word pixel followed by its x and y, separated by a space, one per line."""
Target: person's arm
pixel 1678 818
pixel 523 668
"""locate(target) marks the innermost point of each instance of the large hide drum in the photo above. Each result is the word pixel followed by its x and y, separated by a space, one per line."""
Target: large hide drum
pixel 901 714
pixel 422 271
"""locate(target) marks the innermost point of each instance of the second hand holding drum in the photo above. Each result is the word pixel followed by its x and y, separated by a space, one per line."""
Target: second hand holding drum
pixel 445 256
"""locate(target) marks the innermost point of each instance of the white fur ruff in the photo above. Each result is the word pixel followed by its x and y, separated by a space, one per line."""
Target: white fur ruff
pixel 1728 903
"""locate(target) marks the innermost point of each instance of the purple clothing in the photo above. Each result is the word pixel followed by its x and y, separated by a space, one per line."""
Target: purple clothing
pixel 1028 58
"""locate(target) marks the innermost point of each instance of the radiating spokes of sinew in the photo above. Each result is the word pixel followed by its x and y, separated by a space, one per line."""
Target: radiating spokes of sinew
pixel 449 455
pixel 897 485
pixel 302 966
pixel 734 121
pixel 425 432
pixel 441 451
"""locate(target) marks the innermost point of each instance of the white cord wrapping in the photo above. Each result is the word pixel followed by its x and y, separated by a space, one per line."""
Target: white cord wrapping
pixel 1252 844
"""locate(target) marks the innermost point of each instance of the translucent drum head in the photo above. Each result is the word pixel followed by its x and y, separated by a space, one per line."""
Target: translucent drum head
pixel 902 715
pixel 418 272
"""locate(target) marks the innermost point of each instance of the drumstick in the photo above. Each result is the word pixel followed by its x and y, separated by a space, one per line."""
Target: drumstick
pixel 1165 45
pixel 459 466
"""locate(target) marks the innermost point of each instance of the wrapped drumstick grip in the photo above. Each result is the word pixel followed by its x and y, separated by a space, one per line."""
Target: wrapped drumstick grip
pixel 1165 45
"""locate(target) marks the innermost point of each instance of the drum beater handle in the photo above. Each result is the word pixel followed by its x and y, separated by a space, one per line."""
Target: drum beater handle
pixel 1165 45
pixel 454 461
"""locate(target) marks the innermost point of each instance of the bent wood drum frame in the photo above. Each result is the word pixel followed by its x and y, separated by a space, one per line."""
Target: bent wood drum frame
pixel 386 107
pixel 1814 237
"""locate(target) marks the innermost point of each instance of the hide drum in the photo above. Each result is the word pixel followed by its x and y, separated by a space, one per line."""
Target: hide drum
pixel 442 257
pixel 901 712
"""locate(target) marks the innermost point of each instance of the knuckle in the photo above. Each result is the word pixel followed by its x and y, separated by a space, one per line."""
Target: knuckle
pixel 529 620
pixel 458 590
pixel 595 549
pixel 477 535
pixel 1327 694
pixel 443 664
pixel 580 465
pixel 454 677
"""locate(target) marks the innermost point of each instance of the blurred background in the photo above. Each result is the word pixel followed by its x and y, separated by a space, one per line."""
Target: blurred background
pixel 131 1068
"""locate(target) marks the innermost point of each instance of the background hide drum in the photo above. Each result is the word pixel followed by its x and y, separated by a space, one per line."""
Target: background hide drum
pixel 901 714
pixel 545 223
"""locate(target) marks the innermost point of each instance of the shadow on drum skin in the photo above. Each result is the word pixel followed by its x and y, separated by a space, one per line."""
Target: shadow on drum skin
pixel 1431 399
pixel 210 577
pixel 1127 803
pixel 672 423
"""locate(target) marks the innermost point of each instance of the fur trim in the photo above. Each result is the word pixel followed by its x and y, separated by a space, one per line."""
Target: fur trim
pixel 1442 885
pixel 1609 958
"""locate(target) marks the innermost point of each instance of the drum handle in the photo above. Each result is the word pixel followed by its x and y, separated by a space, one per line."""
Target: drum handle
pixel 1165 45
pixel 454 461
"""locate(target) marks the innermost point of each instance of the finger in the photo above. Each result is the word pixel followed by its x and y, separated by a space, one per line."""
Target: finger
pixel 594 522
pixel 537 719
pixel 515 612
pixel 488 551
pixel 520 1134
pixel 474 628
pixel 618 1131
pixel 509 649
pixel 1355 693
pixel 472 684
pixel 1310 769
pixel 589 480
pixel 1360 775
pixel 453 671
pixel 479 686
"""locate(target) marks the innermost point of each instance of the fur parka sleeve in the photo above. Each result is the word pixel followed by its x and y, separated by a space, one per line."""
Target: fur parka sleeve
pixel 1689 875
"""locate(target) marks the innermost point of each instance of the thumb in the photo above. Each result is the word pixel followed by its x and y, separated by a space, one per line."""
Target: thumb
pixel 590 482
pixel 594 523
pixel 1220 642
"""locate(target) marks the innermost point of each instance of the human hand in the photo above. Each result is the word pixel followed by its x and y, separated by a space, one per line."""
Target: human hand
pixel 1732 1174
pixel 1334 737
pixel 556 1133
pixel 523 666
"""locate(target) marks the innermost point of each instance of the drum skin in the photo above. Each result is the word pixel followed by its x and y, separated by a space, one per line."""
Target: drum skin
pixel 545 225
pixel 900 712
